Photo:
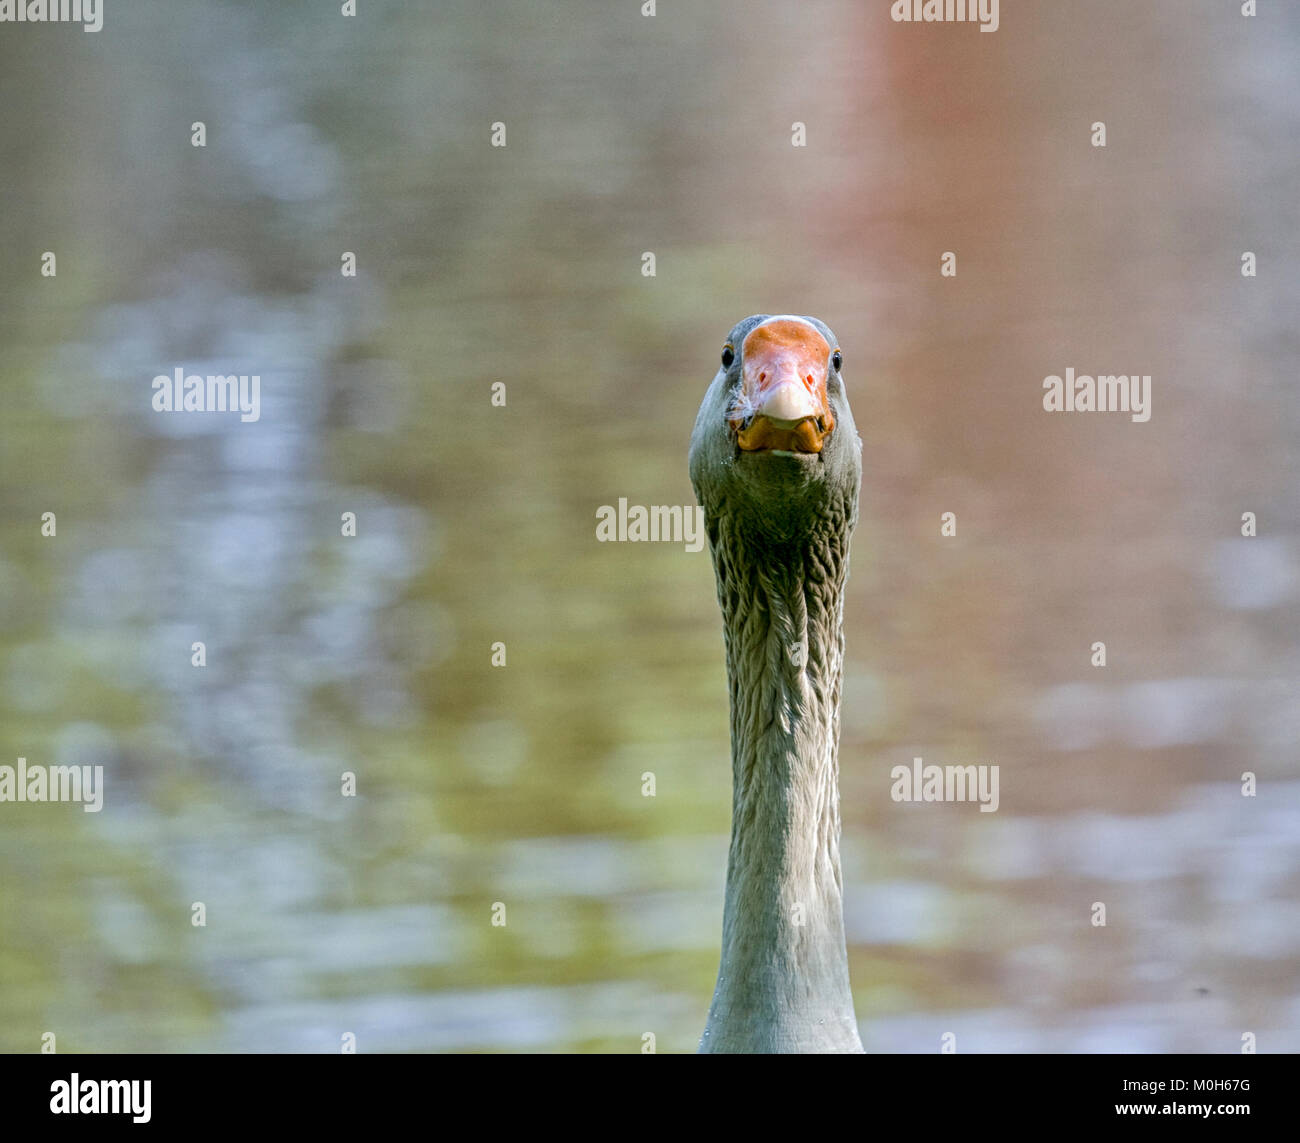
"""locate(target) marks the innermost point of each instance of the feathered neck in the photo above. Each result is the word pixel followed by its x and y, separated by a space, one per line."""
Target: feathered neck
pixel 783 984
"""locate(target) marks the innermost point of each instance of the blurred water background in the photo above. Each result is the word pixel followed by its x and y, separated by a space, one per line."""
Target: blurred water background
pixel 522 264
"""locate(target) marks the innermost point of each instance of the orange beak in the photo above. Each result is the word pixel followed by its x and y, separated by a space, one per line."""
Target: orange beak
pixel 782 402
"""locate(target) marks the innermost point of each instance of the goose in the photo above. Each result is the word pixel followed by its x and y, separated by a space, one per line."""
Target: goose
pixel 775 460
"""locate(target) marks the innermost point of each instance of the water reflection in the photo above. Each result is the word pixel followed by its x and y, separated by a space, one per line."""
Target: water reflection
pixel 522 784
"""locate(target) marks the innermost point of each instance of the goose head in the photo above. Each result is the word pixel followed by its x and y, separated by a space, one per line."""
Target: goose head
pixel 775 441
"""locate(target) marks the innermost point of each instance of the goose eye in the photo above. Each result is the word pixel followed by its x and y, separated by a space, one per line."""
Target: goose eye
pixel 837 360
pixel 728 356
